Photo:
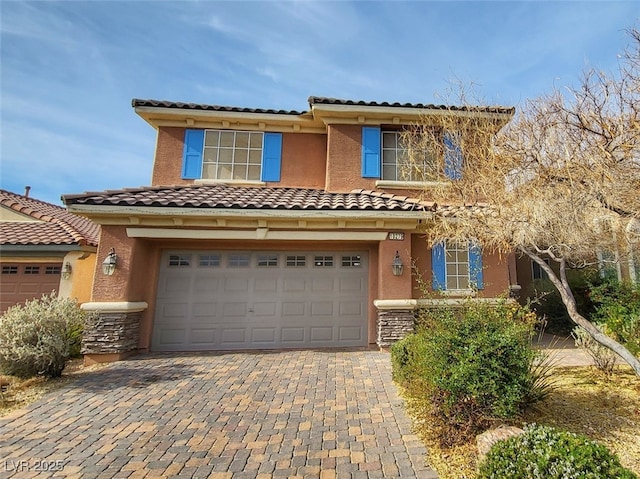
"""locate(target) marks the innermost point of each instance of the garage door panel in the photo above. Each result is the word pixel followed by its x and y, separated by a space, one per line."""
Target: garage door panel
pixel 265 309
pixel 351 285
pixel 322 285
pixel 203 336
pixel 172 337
pixel 324 308
pixel 293 309
pixel 30 288
pixel 234 309
pixel 264 335
pixel 177 284
pixel 245 300
pixel 267 285
pixel 292 335
pixel 350 308
pixel 232 336
pixel 321 334
pixel 294 285
pixel 205 310
pixel 206 285
pixel 176 310
pixel 235 285
pixel 353 333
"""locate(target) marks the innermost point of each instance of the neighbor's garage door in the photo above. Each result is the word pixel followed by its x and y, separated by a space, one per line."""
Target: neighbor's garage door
pixel 222 300
pixel 20 282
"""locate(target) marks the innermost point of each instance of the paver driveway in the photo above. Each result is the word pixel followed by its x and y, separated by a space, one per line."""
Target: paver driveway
pixel 240 415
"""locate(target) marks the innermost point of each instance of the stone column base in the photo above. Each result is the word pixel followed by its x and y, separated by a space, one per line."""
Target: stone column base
pixel 395 320
pixel 112 330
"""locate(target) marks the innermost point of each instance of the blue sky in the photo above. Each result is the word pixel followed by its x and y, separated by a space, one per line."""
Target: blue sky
pixel 69 69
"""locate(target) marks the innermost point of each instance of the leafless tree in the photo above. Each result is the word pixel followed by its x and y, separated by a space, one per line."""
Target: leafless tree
pixel 560 181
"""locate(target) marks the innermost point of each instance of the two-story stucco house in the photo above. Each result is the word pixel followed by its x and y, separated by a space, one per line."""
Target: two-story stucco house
pixel 274 229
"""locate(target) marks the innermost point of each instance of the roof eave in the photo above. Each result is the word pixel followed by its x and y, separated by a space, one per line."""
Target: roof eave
pixel 241 218
pixel 364 114
pixel 254 121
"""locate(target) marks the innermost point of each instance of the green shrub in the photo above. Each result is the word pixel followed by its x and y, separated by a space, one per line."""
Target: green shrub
pixel 407 358
pixel 474 363
pixel 545 453
pixel 617 309
pixel 40 336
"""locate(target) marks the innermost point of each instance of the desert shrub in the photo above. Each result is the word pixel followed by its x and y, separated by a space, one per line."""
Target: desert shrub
pixel 38 338
pixel 617 309
pixel 603 358
pixel 543 452
pixel 473 363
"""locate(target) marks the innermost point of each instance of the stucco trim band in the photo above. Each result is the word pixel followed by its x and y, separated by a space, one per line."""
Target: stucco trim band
pixel 395 304
pixel 258 234
pixel 115 306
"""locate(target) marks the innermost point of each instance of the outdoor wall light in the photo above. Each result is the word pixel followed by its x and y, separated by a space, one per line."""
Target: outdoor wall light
pixel 397 265
pixel 109 263
pixel 66 271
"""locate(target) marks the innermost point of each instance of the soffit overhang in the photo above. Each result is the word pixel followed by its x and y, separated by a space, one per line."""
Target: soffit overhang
pixel 232 218
pixel 331 114
pixel 250 121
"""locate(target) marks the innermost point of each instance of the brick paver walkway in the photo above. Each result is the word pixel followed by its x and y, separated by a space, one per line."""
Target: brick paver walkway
pixel 243 415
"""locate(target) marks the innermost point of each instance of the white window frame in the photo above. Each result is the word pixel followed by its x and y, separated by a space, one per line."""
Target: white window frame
pixel 245 162
pixel 401 153
pixel 457 247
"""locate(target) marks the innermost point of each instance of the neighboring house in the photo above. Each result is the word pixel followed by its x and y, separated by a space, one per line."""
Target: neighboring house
pixel 275 229
pixel 610 266
pixel 44 248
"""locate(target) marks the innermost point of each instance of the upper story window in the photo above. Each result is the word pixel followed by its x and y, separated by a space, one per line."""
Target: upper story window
pixel 231 155
pixel 396 165
pixel 386 157
pixel 457 266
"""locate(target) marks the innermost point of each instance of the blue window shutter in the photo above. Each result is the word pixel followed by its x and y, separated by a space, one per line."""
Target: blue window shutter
pixel 192 154
pixel 271 156
pixel 370 152
pixel 438 267
pixel 475 266
pixel 452 156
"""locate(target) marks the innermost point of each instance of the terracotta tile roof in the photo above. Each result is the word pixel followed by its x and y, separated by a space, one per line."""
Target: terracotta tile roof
pixel 314 100
pixel 55 226
pixel 467 210
pixel 249 198
pixel 200 106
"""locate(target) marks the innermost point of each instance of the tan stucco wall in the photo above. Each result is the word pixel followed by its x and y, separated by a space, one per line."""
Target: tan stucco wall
pixel 391 286
pixel 304 157
pixel 7 214
pixel 167 165
pixel 344 152
pixel 80 284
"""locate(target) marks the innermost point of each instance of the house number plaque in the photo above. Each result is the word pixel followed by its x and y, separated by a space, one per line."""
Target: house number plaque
pixel 396 236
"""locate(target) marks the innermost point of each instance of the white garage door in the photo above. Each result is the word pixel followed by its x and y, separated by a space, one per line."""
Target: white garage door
pixel 224 300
